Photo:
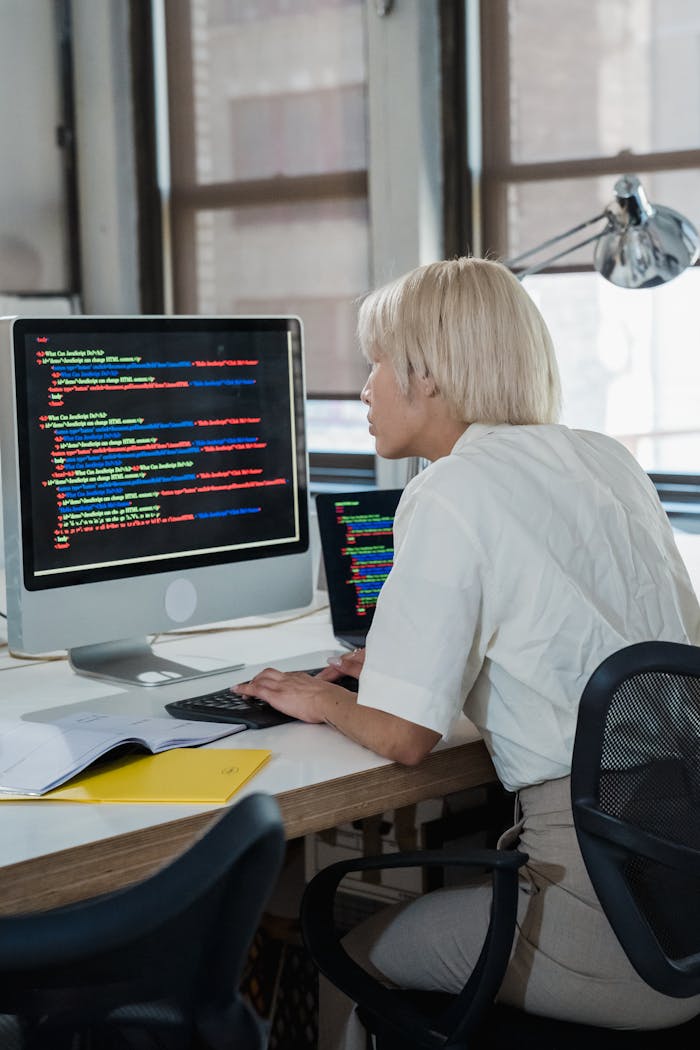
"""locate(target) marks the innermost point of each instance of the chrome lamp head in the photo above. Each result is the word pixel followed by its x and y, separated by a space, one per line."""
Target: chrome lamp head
pixel 641 244
pixel 644 244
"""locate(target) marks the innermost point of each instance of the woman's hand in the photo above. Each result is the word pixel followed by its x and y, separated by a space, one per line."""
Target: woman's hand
pixel 295 693
pixel 316 698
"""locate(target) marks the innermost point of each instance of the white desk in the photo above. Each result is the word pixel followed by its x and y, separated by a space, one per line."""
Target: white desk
pixel 53 852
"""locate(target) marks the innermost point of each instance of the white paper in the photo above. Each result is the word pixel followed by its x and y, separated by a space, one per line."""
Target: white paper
pixel 38 756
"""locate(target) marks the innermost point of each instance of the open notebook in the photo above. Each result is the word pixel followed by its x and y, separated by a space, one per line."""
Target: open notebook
pixel 184 774
pixel 357 543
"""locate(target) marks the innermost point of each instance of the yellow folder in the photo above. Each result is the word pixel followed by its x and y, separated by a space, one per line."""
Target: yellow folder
pixel 182 774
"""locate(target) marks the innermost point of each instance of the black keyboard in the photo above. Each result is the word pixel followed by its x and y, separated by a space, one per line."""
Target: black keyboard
pixel 225 705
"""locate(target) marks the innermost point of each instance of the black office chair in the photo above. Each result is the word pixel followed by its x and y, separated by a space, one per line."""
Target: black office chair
pixel 637 809
pixel 157 964
pixel 636 804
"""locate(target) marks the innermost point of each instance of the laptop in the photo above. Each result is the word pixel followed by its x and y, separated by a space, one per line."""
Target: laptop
pixel 357 542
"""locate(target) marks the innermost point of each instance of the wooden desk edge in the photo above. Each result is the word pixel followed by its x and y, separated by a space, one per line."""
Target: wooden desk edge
pixel 99 867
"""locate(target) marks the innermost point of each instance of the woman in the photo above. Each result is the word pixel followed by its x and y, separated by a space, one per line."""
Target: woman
pixel 524 555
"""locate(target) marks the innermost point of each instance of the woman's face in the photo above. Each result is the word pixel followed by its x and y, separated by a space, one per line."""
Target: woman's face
pixel 398 422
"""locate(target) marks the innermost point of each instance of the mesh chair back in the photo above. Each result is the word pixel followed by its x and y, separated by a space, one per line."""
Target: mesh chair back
pixel 636 803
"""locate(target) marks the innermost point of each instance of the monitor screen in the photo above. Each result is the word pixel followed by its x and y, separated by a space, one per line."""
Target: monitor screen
pixel 357 541
pixel 154 475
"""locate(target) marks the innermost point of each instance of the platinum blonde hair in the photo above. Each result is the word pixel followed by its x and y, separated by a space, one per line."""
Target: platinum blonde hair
pixel 469 326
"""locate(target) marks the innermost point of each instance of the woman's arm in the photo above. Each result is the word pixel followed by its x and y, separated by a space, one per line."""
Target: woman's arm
pixel 312 699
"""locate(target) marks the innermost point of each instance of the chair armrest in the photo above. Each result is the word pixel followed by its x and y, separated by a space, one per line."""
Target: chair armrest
pixel 633 839
pixel 402 1019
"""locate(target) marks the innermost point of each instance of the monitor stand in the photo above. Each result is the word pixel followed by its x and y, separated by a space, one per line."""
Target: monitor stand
pixel 131 661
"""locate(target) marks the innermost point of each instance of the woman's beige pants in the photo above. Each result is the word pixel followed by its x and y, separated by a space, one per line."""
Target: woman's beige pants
pixel 566 961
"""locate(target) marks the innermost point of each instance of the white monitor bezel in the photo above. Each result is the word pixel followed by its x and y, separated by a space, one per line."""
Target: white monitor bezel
pixel 85 614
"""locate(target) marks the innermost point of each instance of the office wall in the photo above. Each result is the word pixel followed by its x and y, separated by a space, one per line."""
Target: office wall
pixel 34 248
pixel 33 234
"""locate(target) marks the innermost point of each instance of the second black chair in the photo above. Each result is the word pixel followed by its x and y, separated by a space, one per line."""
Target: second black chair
pixel 157 964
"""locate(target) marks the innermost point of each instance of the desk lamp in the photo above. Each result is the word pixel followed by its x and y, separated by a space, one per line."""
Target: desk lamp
pixel 641 245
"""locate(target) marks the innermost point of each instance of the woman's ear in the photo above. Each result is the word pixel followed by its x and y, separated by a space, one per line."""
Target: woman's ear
pixel 428 386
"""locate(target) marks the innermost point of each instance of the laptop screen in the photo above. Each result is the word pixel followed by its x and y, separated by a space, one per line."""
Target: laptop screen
pixel 357 542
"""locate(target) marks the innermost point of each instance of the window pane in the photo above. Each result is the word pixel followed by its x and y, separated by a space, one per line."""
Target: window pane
pixel 629 362
pixel 309 132
pixel 277 89
pixel 305 259
pixel 540 210
pixel 338 426
pixel 595 77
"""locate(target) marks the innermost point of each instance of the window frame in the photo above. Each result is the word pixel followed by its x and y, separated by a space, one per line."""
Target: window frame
pixel 499 170
pixel 496 171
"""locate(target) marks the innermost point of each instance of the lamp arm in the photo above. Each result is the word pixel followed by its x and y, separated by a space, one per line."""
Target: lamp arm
pixel 555 240
pixel 536 267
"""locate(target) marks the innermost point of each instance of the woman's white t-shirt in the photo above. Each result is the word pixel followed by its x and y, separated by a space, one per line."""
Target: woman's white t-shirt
pixel 522 560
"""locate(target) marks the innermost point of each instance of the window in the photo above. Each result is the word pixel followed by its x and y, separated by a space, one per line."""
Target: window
pixel 304 168
pixel 269 206
pixel 269 168
pixel 569 104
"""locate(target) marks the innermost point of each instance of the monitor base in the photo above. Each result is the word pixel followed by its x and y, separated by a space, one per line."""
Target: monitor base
pixel 131 661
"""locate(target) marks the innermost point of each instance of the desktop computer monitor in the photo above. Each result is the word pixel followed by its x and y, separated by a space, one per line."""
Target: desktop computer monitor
pixel 154 476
